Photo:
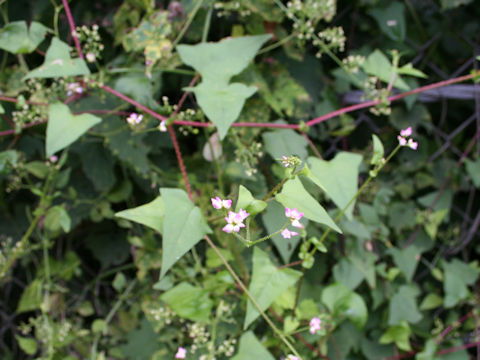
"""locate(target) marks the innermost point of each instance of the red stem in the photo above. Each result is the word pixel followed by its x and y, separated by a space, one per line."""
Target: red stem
pixel 133 102
pixel 13 100
pixel 72 28
pixel 391 98
pixel 180 161
pixel 12 131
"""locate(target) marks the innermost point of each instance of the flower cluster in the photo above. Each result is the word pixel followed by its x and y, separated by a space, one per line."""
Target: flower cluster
pixel 315 325
pixel 353 62
pixel 91 41
pixel 294 216
pixel 403 141
pixel 163 126
pixel 235 221
pixel 290 161
pixel 74 87
pixel 134 119
pixel 292 357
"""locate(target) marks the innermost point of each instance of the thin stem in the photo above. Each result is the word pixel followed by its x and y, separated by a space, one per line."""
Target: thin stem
pixel 191 16
pixel 252 299
pixel 72 28
pixel 276 45
pixel 206 26
pixel 110 315
pixel 129 70
pixel 180 161
pixel 55 20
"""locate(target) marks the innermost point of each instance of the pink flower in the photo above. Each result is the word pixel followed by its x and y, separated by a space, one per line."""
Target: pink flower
pixel 287 234
pixel 162 126
pixel 406 132
pixel 315 325
pixel 235 221
pixel 412 144
pixel 74 87
pixel 401 140
pixel 292 357
pixel 53 158
pixel 134 119
pixel 181 353
pixel 285 161
pixel 294 215
pixel 218 203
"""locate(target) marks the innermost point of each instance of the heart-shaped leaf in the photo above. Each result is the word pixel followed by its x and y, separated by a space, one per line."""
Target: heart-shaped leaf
pixel 294 195
pixel 17 38
pixel 338 177
pixel 268 283
pixel 58 63
pixel 183 226
pixel 64 128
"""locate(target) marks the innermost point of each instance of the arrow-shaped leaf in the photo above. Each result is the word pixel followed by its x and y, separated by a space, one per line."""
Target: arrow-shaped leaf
pixel 64 128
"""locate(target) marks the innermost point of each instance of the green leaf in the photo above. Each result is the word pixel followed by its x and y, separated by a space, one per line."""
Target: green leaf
pixel 473 170
pixel 403 306
pixel 151 214
pixel 268 283
pixel 338 178
pixel 183 226
pixel 428 352
pixel 344 272
pixel 451 4
pixel 222 104
pixel 64 128
pixel 98 165
pixel 273 219
pixel 57 218
pixel 406 260
pixel 8 158
pixel 217 63
pixel 285 142
pixel 398 334
pixel 378 151
pixel 58 63
pixel 250 348
pixel 141 343
pixel 247 202
pixel 391 20
pixel 431 301
pixel 408 69
pixel 138 87
pixel 294 195
pixel 458 276
pixel 28 345
pixel 189 302
pixel 16 38
pixel 31 298
pixel 343 302
pixel 377 64
pixel 37 168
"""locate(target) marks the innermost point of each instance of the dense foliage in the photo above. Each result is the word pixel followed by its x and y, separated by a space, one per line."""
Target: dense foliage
pixel 253 179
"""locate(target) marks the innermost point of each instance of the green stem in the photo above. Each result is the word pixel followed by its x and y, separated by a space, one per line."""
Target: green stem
pixel 276 188
pixel 277 44
pixel 208 20
pixel 250 243
pixel 252 299
pixel 185 27
pixel 110 315
pixel 56 14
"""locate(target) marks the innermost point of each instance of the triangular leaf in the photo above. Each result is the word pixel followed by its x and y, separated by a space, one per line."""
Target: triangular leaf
pixel 294 195
pixel 268 283
pixel 285 142
pixel 222 103
pixel 250 348
pixel 58 63
pixel 151 214
pixel 63 128
pixel 339 178
pixel 183 226
pixel 247 202
pixel 403 306
pixel 377 64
